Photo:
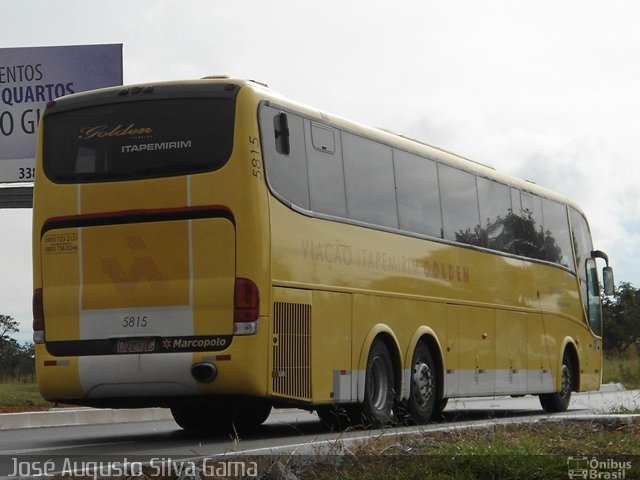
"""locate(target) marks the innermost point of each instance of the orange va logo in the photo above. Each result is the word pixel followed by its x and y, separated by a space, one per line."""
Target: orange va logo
pixel 142 268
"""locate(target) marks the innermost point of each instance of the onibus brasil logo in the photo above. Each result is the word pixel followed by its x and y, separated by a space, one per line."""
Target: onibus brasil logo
pixel 597 469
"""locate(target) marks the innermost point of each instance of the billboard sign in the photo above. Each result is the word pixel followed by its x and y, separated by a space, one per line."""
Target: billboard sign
pixel 29 78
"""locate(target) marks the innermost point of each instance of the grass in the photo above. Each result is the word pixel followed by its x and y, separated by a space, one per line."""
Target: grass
pixel 20 395
pixel 16 397
pixel 623 369
pixel 539 451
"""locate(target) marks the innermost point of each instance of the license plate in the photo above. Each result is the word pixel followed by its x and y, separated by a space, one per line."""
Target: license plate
pixel 136 345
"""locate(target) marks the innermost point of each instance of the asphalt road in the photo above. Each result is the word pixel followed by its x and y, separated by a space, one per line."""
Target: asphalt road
pixel 290 431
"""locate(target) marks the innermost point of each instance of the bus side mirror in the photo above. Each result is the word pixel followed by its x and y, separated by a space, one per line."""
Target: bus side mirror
pixel 607 272
pixel 607 279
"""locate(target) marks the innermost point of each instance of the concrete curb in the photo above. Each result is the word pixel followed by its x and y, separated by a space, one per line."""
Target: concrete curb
pixel 612 387
pixel 81 416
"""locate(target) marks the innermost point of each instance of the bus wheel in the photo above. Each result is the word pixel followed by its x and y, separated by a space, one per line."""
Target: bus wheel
pixel 195 417
pixel 222 414
pixel 559 401
pixel 423 393
pixel 250 412
pixel 379 387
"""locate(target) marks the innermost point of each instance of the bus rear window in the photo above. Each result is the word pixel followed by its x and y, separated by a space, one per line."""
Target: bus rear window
pixel 136 140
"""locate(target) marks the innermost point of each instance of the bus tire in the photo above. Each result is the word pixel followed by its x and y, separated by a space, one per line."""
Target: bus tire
pixel 377 407
pixel 222 414
pixel 250 412
pixel 559 401
pixel 439 408
pixel 423 392
pixel 197 418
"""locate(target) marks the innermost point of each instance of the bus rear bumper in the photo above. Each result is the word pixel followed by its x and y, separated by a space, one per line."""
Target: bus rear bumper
pixel 144 379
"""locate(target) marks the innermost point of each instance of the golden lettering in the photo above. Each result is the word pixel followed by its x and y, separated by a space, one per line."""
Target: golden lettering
pixel 336 253
pixel 105 131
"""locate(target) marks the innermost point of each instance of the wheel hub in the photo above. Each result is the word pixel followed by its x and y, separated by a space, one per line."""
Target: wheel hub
pixel 422 382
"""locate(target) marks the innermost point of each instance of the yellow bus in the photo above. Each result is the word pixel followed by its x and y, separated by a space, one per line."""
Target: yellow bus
pixel 213 247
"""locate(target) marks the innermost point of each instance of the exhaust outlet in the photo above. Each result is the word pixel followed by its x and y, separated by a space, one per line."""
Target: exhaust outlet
pixel 204 372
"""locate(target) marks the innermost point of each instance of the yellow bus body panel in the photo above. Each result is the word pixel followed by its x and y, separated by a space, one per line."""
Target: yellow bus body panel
pixel 495 316
pixel 188 266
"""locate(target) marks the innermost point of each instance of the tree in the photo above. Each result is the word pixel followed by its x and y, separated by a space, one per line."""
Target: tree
pixel 7 325
pixel 622 319
pixel 15 360
pixel 9 357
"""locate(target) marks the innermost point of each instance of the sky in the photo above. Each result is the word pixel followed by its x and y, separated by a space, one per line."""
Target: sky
pixel 547 90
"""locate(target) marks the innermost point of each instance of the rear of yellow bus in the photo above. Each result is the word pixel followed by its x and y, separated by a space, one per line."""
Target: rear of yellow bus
pixel 150 251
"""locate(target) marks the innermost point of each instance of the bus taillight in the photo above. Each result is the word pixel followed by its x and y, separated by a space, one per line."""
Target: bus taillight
pixel 246 304
pixel 38 316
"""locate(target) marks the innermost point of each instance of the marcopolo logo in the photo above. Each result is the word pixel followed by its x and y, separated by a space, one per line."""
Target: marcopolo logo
pixel 597 469
pixel 195 344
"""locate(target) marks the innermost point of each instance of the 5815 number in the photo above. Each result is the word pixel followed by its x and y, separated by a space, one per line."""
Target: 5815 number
pixel 256 164
pixel 134 321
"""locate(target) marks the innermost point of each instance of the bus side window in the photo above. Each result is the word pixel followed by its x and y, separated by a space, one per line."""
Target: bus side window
pixel 495 207
pixel 528 230
pixel 593 297
pixel 526 204
pixel 281 132
pixel 582 247
pixel 369 180
pixel 557 240
pixel 459 200
pixel 323 139
pixel 326 172
pixel 284 153
pixel 418 194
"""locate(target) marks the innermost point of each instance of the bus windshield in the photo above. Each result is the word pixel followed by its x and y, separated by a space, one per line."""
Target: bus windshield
pixel 137 140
